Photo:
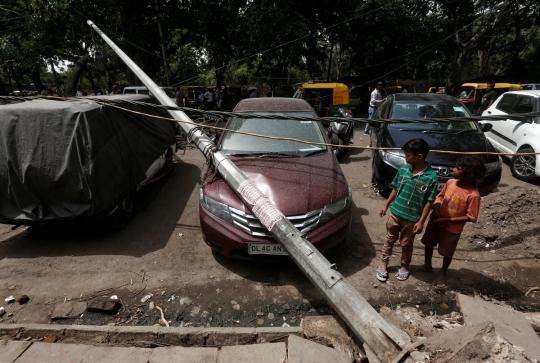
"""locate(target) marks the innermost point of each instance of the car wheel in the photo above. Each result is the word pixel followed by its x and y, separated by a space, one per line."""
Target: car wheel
pixel 523 167
pixel 127 207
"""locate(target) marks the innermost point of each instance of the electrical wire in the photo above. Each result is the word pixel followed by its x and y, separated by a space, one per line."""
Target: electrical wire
pixel 112 103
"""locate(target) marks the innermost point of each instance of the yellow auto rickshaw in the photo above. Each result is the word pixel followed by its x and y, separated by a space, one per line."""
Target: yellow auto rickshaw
pixel 325 98
pixel 470 94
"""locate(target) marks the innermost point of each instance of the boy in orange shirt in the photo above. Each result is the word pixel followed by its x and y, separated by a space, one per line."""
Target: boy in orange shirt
pixel 456 204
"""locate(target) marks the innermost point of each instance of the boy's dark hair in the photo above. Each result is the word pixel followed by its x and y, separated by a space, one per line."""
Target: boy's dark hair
pixel 416 146
pixel 472 167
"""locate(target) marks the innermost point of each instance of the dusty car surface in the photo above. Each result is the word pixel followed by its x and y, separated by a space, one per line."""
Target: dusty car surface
pixel 457 135
pixel 515 135
pixel 304 181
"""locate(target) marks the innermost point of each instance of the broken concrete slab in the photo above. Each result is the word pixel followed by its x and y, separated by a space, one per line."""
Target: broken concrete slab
pixel 103 305
pixel 332 332
pixel 54 353
pixel 184 355
pixel 68 310
pixel 473 343
pixel 305 351
pixel 409 319
pixel 260 353
pixel 511 324
pixel 11 350
pixel 534 319
pixel 117 354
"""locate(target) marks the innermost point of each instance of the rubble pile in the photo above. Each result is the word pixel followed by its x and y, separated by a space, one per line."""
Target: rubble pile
pixel 506 219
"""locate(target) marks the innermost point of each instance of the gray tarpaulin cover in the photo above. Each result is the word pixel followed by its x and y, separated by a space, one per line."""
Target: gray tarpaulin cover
pixel 65 159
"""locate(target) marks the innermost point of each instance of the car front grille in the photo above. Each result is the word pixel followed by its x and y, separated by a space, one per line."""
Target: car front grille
pixel 251 224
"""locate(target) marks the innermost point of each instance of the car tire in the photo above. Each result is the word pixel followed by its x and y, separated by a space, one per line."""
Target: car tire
pixel 126 208
pixel 523 167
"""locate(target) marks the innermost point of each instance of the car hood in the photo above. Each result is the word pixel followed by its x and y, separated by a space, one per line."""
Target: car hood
pixel 294 185
pixel 468 142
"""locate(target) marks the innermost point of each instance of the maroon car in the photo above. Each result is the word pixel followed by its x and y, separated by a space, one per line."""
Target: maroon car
pixel 304 181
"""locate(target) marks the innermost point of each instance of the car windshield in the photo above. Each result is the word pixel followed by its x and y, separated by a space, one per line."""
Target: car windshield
pixel 423 110
pixel 465 92
pixel 234 143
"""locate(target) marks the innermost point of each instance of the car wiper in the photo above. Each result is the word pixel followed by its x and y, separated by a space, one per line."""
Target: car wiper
pixel 464 131
pixel 277 155
pixel 437 132
pixel 314 152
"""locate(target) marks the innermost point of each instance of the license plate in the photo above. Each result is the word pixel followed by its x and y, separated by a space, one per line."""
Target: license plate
pixel 266 249
pixel 440 186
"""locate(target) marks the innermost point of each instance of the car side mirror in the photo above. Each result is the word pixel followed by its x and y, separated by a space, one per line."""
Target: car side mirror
pixel 486 127
pixel 375 124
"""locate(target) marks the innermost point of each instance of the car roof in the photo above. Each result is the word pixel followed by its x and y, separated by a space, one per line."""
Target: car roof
pixel 424 97
pixel 525 92
pixel 273 104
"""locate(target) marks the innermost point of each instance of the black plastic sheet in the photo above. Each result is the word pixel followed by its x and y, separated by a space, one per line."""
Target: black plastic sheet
pixel 66 159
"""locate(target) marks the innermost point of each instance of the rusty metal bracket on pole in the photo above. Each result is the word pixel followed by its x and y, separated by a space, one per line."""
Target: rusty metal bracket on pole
pixel 383 342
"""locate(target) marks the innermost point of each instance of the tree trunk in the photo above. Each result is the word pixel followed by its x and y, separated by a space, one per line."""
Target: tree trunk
pixel 456 70
pixel 330 61
pixel 55 75
pixel 78 69
pixel 36 78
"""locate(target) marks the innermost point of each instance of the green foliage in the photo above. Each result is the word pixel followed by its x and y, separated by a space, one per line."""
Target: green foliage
pixel 248 42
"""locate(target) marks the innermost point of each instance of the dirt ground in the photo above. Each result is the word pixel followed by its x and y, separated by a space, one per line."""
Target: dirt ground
pixel 161 253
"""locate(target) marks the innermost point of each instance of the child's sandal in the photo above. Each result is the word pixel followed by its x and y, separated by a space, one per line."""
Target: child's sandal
pixel 402 275
pixel 382 275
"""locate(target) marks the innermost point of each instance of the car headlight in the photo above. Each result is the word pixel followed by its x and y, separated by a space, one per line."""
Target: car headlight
pixel 216 208
pixel 331 211
pixel 396 160
pixel 493 165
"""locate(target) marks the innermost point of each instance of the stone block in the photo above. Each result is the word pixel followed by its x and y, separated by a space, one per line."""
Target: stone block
pixel 11 350
pixel 68 310
pixel 54 353
pixel 103 305
pixel 260 353
pixel 511 324
pixel 473 343
pixel 305 351
pixel 184 355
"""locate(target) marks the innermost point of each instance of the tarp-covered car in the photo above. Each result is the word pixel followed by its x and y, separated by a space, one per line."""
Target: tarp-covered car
pixel 60 160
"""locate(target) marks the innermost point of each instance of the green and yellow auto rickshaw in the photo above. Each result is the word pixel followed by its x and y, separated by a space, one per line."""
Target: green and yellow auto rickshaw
pixel 470 94
pixel 325 98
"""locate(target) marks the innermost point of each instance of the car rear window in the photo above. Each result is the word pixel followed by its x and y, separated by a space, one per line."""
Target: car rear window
pixel 301 130
pixel 523 105
pixel 506 102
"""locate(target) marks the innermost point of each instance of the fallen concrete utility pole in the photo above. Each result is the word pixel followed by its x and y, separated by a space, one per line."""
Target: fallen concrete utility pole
pixel 383 342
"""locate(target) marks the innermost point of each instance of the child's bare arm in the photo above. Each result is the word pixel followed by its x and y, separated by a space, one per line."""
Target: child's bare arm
pixel 437 211
pixel 419 226
pixel 388 202
pixel 453 219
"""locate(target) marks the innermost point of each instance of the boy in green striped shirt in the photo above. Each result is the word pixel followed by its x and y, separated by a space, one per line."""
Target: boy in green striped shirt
pixel 413 193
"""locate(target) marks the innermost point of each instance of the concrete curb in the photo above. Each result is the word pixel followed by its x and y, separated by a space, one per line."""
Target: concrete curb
pixel 147 335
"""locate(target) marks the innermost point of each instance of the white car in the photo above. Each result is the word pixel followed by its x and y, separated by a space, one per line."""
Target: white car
pixel 517 135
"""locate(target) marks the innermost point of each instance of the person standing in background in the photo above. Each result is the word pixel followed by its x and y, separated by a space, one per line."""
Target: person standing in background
pixel 375 102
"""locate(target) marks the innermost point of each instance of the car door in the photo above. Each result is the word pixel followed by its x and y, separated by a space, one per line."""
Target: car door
pixel 502 107
pixel 514 129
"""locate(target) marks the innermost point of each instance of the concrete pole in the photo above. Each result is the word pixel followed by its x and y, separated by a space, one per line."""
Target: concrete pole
pixel 383 342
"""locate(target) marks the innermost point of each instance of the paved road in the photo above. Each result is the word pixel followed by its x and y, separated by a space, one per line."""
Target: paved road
pixel 161 252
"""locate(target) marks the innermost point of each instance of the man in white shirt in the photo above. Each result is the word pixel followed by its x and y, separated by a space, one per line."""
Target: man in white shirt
pixel 375 102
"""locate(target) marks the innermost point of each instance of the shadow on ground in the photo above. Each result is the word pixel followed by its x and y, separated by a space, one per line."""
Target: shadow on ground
pixel 160 205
